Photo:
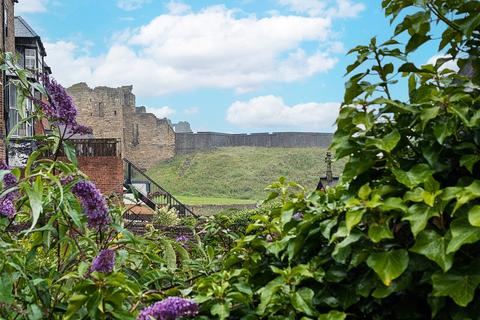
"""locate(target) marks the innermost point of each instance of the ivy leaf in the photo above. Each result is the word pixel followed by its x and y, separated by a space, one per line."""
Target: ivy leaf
pixel 353 217
pixel 462 233
pixel 474 216
pixel 333 315
pixel 428 114
pixel 221 310
pixel 388 265
pixel 418 216
pixel 443 129
pixel 386 143
pixel 378 232
pixel 416 175
pixel 302 300
pixel 469 160
pixel 433 246
pixel 459 286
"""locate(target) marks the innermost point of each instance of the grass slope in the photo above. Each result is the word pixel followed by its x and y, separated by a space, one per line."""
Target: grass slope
pixel 239 172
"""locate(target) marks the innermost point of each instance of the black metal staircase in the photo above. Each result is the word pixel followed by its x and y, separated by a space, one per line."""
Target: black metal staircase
pixel 150 192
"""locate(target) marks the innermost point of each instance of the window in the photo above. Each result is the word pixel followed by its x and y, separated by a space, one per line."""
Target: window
pixel 26 128
pixel 30 58
pixel 135 134
pixel 101 109
pixel 5 21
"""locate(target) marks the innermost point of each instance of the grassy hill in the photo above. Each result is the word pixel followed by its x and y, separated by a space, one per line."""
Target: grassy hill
pixel 239 172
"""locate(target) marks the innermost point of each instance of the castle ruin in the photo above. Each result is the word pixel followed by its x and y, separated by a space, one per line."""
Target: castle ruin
pixel 111 113
pixel 146 140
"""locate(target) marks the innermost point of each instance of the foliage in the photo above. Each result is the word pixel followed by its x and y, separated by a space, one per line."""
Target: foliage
pixel 399 238
pixel 64 251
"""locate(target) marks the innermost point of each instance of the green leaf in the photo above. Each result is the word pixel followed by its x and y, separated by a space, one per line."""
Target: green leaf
pixel 221 310
pixel 364 191
pixel 416 175
pixel 462 233
pixel 418 216
pixel 35 195
pixel 333 315
pixel 302 300
pixel 428 114
pixel 70 152
pixel 474 216
pixel 459 286
pixel 6 287
pixel 433 246
pixel 353 217
pixel 443 129
pixel 388 142
pixel 471 24
pixel 169 255
pixel 469 160
pixel 388 265
pixel 377 232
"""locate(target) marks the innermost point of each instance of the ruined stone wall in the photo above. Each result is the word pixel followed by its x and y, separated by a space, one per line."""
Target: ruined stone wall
pixel 111 113
pixel 193 142
pixel 148 140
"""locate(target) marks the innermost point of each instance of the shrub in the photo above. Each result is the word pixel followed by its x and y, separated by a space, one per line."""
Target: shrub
pixel 399 238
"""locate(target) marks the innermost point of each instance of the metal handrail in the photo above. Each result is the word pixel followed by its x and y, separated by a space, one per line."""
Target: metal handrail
pixel 171 200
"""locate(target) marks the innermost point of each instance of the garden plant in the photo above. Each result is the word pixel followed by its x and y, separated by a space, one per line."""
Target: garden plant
pixel 397 238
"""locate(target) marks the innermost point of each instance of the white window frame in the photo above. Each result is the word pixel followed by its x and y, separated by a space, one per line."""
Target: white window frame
pixel 26 129
pixel 30 58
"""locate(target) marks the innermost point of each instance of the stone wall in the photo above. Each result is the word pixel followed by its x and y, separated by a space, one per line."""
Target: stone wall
pixel 111 113
pixel 193 142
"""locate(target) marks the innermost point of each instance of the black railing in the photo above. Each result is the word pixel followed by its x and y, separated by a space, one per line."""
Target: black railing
pixel 150 192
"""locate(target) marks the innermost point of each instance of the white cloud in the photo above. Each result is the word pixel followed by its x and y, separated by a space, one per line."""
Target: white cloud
pixel 212 48
pixel 176 8
pixel 162 112
pixel 271 111
pixel 192 110
pixel 31 6
pixel 130 5
pixel 452 64
pixel 317 8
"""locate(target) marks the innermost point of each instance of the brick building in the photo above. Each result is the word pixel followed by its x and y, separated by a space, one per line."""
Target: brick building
pixel 7 44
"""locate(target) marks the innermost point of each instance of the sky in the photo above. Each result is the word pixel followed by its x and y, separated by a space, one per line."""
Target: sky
pixel 227 66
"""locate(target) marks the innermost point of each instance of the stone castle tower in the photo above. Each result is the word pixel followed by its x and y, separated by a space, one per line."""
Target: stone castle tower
pixel 111 113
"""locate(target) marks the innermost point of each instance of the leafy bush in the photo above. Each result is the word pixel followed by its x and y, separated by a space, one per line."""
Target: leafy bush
pixel 399 238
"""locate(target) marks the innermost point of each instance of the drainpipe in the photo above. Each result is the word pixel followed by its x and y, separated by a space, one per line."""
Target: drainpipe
pixel 4 82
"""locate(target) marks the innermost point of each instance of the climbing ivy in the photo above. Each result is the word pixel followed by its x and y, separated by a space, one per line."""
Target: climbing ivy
pixel 399 238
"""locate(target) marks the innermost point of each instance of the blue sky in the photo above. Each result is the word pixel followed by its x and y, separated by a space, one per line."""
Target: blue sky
pixel 231 66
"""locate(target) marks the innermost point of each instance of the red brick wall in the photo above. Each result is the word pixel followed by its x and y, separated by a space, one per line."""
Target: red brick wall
pixel 105 172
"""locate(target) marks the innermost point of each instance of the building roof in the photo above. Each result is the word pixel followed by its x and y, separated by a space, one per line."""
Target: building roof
pixel 23 30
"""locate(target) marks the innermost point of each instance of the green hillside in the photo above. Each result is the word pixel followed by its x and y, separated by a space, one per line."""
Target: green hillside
pixel 239 172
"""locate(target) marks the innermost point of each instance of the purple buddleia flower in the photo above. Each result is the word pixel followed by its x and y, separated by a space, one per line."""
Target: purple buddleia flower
pixel 66 180
pixel 7 207
pixel 80 129
pixel 298 216
pixel 169 309
pixel 104 262
pixel 93 203
pixel 66 111
pixel 47 108
pixel 182 239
